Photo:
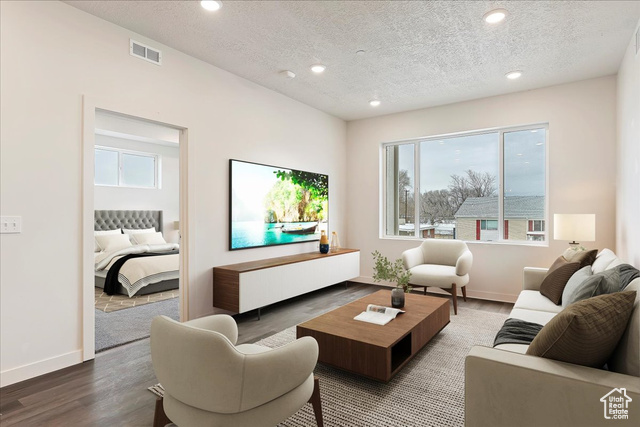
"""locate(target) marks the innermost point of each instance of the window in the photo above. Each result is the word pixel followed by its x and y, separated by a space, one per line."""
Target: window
pixel 122 168
pixel 484 185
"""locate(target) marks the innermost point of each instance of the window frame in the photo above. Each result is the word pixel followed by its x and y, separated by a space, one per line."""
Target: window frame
pixel 416 187
pixel 157 169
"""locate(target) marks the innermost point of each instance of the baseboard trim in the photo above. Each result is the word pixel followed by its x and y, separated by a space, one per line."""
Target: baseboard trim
pixel 32 370
pixel 490 296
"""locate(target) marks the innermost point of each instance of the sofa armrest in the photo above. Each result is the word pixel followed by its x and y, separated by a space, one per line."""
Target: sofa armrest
pixel 412 257
pixel 532 278
pixel 508 389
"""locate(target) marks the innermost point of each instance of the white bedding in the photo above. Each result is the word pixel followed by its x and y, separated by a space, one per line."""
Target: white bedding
pixel 137 273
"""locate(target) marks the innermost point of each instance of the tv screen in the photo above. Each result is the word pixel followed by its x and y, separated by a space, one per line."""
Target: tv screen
pixel 272 205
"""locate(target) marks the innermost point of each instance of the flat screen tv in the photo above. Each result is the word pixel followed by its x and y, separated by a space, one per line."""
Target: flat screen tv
pixel 272 205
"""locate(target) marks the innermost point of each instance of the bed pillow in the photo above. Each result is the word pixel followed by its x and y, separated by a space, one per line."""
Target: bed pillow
pixel 556 279
pixel 148 239
pixel 587 332
pixel 131 231
pixel 113 242
pixel 103 233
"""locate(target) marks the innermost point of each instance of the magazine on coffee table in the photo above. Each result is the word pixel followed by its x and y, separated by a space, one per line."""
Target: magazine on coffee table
pixel 378 314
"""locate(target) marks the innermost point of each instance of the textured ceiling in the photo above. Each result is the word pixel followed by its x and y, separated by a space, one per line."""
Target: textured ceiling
pixel 418 54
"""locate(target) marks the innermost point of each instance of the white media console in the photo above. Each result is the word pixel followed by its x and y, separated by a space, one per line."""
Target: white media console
pixel 252 285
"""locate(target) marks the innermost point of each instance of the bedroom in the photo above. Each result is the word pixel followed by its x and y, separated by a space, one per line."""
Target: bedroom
pixel 136 201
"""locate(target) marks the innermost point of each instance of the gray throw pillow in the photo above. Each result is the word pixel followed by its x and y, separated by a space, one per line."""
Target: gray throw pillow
pixel 569 294
pixel 606 282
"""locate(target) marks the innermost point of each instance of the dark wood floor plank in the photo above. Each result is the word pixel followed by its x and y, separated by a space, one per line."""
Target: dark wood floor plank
pixel 112 389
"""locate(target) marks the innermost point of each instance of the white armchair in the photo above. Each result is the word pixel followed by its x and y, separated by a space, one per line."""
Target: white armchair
pixel 442 264
pixel 208 380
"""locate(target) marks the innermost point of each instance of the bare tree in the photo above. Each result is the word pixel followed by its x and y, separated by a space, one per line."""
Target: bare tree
pixel 474 184
pixel 435 206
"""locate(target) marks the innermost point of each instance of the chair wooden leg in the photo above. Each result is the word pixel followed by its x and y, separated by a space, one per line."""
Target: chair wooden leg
pixel 455 298
pixel 464 293
pixel 424 290
pixel 315 401
pixel 160 419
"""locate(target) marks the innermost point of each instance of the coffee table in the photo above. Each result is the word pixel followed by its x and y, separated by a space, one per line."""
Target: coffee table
pixel 375 351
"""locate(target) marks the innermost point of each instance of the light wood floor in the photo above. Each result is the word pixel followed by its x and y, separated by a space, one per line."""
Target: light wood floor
pixel 112 389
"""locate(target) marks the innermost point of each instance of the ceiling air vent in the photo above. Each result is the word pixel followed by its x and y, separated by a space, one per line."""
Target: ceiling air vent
pixel 145 52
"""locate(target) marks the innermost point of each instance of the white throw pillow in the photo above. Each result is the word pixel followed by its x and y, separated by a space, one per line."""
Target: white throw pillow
pixel 603 260
pixel 131 231
pixel 103 233
pixel 113 242
pixel 148 239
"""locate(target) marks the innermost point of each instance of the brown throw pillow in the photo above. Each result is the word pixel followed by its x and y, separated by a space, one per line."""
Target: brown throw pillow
pixel 587 332
pixel 585 257
pixel 556 279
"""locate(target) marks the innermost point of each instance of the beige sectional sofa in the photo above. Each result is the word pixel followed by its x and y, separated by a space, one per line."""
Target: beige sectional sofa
pixel 505 387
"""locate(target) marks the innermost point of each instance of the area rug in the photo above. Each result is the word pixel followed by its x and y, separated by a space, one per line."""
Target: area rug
pixel 110 303
pixel 428 391
pixel 125 326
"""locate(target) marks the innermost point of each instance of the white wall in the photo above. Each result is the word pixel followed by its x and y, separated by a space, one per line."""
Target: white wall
pixel 166 198
pixel 52 54
pixel 582 177
pixel 628 191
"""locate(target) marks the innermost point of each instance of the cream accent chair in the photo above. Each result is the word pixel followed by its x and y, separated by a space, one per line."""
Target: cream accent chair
pixel 442 264
pixel 209 381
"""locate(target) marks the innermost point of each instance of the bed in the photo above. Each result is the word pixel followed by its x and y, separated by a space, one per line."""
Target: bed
pixel 151 273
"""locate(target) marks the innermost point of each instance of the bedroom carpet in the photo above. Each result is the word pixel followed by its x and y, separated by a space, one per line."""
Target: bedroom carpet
pixel 124 326
pixel 110 303
pixel 428 391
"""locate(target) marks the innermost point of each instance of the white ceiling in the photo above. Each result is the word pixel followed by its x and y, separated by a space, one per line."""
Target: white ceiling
pixel 418 54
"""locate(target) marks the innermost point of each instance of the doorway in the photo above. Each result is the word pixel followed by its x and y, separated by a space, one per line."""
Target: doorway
pixel 148 149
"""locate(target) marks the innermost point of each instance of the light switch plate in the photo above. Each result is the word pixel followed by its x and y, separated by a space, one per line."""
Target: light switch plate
pixel 10 224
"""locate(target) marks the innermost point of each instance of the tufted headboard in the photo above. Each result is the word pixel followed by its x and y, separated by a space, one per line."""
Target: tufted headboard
pixel 111 220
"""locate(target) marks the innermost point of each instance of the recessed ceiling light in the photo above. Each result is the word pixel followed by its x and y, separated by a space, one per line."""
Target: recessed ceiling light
pixel 495 16
pixel 287 74
pixel 360 52
pixel 318 68
pixel 374 102
pixel 512 75
pixel 211 5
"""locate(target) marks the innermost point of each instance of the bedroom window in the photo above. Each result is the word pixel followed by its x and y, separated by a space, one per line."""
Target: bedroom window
pixel 123 168
pixel 484 185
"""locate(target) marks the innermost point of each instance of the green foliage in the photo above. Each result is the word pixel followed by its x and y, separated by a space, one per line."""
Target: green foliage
pixel 316 184
pixel 391 272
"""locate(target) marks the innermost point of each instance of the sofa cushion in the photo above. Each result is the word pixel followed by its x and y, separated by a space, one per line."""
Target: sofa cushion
pixel 534 300
pixel 587 332
pixel 533 316
pixel 570 293
pixel 626 357
pixel 556 279
pixel 604 258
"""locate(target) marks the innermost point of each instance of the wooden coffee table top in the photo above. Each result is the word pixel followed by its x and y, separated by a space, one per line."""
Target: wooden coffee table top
pixel 339 322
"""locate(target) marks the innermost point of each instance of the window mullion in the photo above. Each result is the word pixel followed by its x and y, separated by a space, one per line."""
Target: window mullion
pixel 501 187
pixel 416 190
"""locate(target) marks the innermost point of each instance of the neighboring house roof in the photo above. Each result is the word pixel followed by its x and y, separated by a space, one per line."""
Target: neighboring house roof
pixel 515 207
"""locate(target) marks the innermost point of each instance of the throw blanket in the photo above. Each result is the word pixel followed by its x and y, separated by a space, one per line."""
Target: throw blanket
pixel 516 331
pixel 111 283
pixel 627 274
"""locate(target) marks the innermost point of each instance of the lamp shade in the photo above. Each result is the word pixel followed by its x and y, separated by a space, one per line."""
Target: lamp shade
pixel 576 227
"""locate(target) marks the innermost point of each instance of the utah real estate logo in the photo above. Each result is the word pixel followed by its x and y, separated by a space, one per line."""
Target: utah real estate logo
pixel 616 404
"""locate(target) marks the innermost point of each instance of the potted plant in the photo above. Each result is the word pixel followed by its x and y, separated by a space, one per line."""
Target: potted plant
pixel 395 272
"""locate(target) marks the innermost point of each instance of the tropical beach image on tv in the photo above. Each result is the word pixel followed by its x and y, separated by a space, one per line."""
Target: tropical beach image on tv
pixel 272 205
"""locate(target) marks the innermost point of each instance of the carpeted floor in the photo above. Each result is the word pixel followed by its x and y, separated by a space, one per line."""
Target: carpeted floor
pixel 428 391
pixel 124 326
pixel 110 303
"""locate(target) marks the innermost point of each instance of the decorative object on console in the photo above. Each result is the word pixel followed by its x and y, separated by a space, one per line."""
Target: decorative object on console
pixel 392 272
pixel 269 205
pixel 324 243
pixel 335 243
pixel 574 227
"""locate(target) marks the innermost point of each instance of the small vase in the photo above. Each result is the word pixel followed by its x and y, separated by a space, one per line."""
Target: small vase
pixel 324 243
pixel 397 298
pixel 335 243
